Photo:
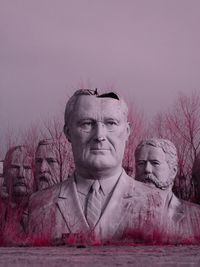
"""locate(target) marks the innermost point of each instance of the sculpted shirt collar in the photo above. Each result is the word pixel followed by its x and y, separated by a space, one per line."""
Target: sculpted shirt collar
pixel 107 185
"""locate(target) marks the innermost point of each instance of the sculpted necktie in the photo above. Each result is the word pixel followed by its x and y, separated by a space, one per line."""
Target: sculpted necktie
pixel 93 211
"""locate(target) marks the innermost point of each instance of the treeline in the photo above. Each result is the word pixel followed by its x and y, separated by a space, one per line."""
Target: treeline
pixel 180 123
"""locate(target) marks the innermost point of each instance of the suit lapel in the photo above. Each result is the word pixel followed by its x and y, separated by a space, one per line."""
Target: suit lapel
pixel 117 207
pixel 177 208
pixel 69 206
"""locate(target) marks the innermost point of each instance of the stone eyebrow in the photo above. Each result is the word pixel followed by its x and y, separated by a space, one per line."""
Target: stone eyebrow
pixel 85 119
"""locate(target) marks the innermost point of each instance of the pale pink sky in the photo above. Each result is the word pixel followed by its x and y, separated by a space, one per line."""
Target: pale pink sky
pixel 147 49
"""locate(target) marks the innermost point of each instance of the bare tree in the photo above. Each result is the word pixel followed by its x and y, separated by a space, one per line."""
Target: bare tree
pixel 53 128
pixel 138 132
pixel 181 125
pixel 10 139
pixel 30 137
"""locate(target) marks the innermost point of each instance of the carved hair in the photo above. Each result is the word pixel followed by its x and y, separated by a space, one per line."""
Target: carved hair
pixel 46 142
pixel 53 143
pixel 93 93
pixel 167 146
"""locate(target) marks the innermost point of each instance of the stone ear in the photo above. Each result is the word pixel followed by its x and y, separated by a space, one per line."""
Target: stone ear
pixel 67 133
pixel 128 129
pixel 175 169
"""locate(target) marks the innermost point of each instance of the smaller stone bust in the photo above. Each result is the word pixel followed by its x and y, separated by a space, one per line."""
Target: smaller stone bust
pixel 19 181
pixel 18 173
pixel 156 163
pixel 47 167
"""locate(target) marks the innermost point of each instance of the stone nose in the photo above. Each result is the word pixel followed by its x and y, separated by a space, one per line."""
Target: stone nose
pixel 148 167
pixel 44 166
pixel 21 171
pixel 100 132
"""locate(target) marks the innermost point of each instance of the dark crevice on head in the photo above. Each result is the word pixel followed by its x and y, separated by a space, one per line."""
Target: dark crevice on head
pixel 109 95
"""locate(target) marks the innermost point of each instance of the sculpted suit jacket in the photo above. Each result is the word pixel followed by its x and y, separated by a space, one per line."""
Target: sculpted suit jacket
pixel 56 212
pixel 181 221
pixel 169 221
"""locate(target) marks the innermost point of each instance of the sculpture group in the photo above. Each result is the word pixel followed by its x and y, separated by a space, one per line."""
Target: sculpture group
pixel 99 202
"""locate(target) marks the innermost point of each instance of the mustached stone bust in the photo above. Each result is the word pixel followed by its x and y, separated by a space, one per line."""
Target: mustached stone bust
pixel 156 164
pixel 47 164
pixel 18 173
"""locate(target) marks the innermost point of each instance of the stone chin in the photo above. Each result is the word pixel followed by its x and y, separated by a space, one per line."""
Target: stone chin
pixel 97 164
pixel 43 184
pixel 20 190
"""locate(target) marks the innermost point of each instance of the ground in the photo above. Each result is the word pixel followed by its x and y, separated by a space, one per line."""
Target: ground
pixel 109 256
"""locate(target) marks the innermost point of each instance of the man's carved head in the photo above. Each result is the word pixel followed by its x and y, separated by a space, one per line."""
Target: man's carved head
pixel 97 127
pixel 18 173
pixel 47 167
pixel 156 162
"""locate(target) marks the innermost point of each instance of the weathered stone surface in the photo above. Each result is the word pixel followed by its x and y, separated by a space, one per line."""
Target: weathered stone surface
pixel 47 164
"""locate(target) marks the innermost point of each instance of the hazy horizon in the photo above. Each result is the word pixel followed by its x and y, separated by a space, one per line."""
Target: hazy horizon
pixel 146 50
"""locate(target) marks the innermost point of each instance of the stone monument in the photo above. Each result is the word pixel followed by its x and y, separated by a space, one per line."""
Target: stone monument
pixel 47 165
pixel 99 201
pixel 18 175
pixel 156 165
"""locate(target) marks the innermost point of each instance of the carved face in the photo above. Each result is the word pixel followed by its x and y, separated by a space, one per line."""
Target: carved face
pixel 19 175
pixel 47 170
pixel 98 133
pixel 3 188
pixel 152 167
